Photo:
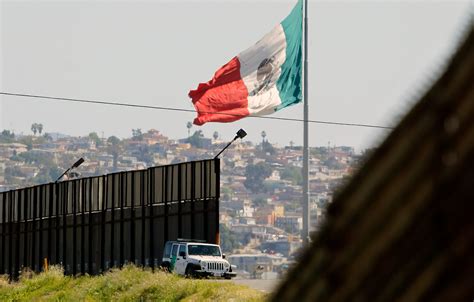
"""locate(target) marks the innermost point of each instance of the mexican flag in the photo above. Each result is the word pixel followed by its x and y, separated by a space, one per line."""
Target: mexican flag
pixel 263 79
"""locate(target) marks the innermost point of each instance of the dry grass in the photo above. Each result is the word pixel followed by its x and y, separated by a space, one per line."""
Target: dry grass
pixel 128 284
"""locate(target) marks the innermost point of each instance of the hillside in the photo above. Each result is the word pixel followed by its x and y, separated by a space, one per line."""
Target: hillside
pixel 129 284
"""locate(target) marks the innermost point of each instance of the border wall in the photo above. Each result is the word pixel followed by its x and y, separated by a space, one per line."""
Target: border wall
pixel 89 225
pixel 402 228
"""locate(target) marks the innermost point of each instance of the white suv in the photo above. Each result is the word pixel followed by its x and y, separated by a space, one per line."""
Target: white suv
pixel 196 259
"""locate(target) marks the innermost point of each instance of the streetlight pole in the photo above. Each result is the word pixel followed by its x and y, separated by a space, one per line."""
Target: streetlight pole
pixel 75 165
pixel 240 134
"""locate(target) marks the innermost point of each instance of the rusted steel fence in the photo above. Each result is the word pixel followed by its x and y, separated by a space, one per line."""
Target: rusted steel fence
pixel 91 224
pixel 402 229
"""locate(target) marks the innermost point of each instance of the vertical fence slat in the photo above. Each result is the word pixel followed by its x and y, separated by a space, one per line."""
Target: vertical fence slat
pixel 10 229
pixel 103 223
pixel 112 223
pixel 83 222
pixel 92 225
pixel 58 221
pixel 123 193
pixel 150 203
pixel 18 229
pixel 41 216
pixel 50 221
pixel 164 200
pixel 142 198
pixel 65 197
pixel 217 170
pixel 26 231
pixel 205 199
pixel 4 223
pixel 132 218
pixel 180 203
pixel 74 226
pixel 193 198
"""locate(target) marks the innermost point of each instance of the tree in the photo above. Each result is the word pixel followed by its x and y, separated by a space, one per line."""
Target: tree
pixel 196 139
pixel 7 136
pixel 145 155
pixel 189 125
pixel 268 148
pixel 215 135
pixel 43 177
pixel 137 134
pixel 227 193
pixel 114 149
pixel 229 163
pixel 255 176
pixel 292 174
pixel 26 140
pixel 95 138
pixel 229 241
pixel 34 128
pixel 37 158
pixel 263 134
pixel 55 172
pixel 40 128
pixel 113 140
pixel 48 137
pixel 260 202
pixel 333 163
pixel 13 172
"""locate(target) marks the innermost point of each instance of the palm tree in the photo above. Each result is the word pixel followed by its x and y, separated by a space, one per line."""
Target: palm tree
pixel 114 148
pixel 215 135
pixel 40 128
pixel 263 134
pixel 292 144
pixel 34 128
pixel 189 125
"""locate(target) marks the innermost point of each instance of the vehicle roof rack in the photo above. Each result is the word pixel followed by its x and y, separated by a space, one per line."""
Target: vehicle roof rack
pixel 191 240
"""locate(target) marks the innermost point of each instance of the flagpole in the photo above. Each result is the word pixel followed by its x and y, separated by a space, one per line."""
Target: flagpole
pixel 306 216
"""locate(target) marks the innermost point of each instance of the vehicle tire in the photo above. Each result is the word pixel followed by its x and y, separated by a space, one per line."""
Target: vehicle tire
pixel 166 267
pixel 190 272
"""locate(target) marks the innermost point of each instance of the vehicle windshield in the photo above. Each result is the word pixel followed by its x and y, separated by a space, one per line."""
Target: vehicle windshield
pixel 204 250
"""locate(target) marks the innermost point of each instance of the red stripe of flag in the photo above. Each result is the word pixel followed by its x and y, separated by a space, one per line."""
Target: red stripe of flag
pixel 224 93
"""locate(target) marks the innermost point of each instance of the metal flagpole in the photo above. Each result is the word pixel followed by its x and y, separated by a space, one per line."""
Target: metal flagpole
pixel 306 216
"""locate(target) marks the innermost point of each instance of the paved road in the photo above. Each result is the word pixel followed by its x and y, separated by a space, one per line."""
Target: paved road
pixel 259 284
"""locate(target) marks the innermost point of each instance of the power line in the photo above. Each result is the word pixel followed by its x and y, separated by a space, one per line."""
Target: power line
pixel 187 110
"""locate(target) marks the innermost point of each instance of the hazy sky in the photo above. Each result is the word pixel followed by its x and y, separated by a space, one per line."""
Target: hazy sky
pixel 368 62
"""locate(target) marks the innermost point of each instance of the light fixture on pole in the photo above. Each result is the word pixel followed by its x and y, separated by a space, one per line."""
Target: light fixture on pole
pixel 75 165
pixel 240 134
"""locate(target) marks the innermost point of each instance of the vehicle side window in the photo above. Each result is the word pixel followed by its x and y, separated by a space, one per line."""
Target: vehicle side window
pixel 167 250
pixel 182 248
pixel 174 250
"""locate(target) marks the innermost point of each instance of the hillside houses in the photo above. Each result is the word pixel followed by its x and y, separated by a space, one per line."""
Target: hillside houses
pixel 266 217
